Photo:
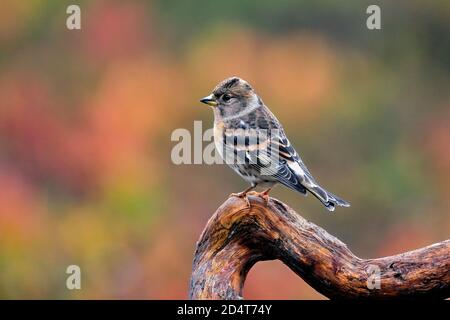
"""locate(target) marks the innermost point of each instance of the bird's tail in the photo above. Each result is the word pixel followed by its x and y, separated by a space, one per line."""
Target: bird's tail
pixel 329 200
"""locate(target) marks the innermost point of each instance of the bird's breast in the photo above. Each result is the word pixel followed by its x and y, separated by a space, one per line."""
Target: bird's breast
pixel 218 136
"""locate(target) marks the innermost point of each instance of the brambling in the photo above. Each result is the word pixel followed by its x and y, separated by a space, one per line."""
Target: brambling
pixel 252 142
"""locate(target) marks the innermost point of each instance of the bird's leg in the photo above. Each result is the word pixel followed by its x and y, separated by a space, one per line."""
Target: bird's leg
pixel 243 194
pixel 265 195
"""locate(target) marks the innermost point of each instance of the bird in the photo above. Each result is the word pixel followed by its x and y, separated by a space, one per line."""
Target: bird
pixel 253 143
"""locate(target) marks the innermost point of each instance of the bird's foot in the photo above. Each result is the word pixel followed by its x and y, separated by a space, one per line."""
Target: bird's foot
pixel 265 196
pixel 242 195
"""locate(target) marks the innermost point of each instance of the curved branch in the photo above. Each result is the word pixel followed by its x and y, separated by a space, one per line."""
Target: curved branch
pixel 236 237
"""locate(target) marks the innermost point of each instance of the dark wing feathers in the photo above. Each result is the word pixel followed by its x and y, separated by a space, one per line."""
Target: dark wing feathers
pixel 299 169
pixel 289 169
pixel 288 178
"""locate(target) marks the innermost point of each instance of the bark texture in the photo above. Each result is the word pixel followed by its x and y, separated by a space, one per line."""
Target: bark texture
pixel 236 237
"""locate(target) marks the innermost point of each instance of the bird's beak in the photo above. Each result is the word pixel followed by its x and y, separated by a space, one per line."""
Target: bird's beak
pixel 209 100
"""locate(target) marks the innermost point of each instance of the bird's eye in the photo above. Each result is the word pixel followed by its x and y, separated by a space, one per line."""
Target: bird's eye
pixel 226 97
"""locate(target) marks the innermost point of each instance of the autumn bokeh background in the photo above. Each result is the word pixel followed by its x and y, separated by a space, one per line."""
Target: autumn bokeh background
pixel 86 119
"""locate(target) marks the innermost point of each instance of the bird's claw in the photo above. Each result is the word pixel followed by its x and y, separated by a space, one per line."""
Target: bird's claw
pixel 242 195
pixel 265 197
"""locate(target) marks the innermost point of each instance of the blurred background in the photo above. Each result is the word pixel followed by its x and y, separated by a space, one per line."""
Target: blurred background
pixel 86 118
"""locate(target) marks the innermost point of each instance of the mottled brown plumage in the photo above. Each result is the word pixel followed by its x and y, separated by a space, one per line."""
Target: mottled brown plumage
pixel 253 143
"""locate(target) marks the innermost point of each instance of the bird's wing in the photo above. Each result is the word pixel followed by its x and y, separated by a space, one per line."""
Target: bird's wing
pixel 263 145
pixel 292 172
pixel 281 145
pixel 296 165
pixel 268 152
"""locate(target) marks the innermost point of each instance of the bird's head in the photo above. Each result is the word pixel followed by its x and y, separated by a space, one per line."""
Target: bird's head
pixel 232 97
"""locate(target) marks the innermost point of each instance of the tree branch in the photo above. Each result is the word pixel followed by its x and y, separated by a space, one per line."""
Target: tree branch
pixel 236 237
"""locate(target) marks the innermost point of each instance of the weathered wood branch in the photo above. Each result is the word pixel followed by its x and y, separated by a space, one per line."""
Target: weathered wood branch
pixel 236 237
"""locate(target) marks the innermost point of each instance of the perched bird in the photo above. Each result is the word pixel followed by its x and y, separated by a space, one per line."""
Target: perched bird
pixel 252 142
